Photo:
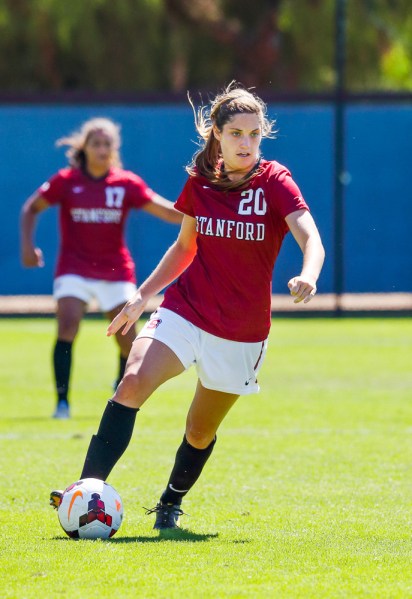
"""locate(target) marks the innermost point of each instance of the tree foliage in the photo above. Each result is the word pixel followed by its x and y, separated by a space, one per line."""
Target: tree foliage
pixel 173 45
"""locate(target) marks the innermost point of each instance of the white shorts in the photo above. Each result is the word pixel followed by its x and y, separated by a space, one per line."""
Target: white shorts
pixel 222 365
pixel 109 294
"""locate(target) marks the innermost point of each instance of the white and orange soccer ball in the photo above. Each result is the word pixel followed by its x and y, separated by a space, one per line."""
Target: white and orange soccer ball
pixel 90 509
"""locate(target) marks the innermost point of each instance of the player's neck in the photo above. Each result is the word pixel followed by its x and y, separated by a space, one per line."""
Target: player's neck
pixel 95 171
pixel 238 175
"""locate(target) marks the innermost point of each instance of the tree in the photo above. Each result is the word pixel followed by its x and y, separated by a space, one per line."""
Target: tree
pixel 175 45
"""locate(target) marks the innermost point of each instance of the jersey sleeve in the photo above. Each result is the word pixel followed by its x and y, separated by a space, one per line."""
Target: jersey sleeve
pixel 53 190
pixel 288 195
pixel 184 202
pixel 138 191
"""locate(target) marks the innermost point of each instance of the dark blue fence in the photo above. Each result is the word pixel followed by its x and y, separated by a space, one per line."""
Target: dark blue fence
pixel 159 140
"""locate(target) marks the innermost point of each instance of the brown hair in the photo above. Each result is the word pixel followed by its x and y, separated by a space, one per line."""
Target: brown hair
pixel 207 160
pixel 78 139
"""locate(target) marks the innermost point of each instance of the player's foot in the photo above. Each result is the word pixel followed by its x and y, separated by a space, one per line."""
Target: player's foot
pixel 56 499
pixel 167 515
pixel 62 411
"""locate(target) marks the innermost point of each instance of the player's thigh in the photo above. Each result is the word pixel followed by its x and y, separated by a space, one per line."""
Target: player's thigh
pixel 208 409
pixel 149 365
pixel 70 311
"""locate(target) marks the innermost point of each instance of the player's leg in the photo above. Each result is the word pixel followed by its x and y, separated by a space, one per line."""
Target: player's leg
pixel 70 311
pixel 150 364
pixel 226 369
pixel 112 296
pixel 124 343
pixel 206 412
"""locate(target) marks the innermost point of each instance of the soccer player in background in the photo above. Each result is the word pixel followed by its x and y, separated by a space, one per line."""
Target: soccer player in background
pixel 237 209
pixel 94 195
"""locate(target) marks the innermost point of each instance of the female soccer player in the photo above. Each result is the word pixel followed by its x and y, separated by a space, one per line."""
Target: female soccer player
pixel 237 209
pixel 95 196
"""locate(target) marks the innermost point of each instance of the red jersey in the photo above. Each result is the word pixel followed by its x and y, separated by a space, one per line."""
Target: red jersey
pixel 227 289
pixel 92 216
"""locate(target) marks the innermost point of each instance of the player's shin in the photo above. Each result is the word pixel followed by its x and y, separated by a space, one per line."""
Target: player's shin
pixel 188 466
pixel 111 441
pixel 62 359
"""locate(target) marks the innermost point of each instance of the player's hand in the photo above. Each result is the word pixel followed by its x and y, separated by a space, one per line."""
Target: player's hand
pixel 128 316
pixel 32 257
pixel 302 289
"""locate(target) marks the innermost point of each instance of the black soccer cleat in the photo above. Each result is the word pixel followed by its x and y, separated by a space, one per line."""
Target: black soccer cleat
pixel 167 515
pixel 56 499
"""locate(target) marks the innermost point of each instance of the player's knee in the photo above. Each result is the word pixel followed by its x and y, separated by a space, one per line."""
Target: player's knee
pixel 133 387
pixel 67 329
pixel 198 437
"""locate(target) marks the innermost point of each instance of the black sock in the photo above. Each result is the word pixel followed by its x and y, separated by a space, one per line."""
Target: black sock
pixel 188 466
pixel 62 361
pixel 122 368
pixel 111 441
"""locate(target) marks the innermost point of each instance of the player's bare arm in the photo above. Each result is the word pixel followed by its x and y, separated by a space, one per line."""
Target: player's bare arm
pixel 174 262
pixel 164 209
pixel 306 234
pixel 31 256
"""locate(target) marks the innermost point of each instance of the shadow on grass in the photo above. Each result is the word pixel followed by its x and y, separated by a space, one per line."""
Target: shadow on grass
pixel 179 535
pixel 169 535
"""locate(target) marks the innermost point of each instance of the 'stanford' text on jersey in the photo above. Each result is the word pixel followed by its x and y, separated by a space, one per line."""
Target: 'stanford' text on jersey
pixel 226 290
pixel 92 216
pixel 221 227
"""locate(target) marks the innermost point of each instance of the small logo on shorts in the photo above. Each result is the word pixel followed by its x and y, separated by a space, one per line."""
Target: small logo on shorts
pixel 250 379
pixel 154 323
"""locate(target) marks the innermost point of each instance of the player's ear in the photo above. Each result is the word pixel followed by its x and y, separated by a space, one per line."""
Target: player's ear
pixel 216 133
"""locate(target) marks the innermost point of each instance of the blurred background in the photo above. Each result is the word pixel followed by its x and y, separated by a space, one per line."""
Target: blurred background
pixel 337 77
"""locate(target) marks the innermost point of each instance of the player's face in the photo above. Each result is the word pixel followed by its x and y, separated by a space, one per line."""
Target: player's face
pixel 99 150
pixel 240 141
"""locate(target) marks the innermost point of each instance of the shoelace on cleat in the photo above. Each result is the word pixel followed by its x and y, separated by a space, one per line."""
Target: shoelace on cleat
pixel 160 508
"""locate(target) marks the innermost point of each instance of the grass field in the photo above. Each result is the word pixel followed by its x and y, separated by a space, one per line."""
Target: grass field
pixel 307 495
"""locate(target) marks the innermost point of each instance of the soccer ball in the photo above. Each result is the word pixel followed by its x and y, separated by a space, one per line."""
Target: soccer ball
pixel 90 509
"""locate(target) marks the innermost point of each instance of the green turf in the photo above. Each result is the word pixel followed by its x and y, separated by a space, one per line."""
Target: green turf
pixel 307 495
